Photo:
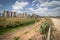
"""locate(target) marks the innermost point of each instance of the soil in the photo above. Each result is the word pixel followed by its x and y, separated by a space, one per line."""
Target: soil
pixel 29 33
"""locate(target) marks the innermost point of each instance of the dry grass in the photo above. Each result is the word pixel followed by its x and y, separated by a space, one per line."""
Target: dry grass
pixel 7 24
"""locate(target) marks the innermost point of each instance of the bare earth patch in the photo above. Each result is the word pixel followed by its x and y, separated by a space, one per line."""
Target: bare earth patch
pixel 27 33
pixel 56 22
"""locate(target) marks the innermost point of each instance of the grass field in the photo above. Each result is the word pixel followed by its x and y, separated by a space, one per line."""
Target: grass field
pixel 9 24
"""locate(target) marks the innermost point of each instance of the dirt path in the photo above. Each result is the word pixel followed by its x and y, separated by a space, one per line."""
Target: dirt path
pixel 24 34
pixel 56 22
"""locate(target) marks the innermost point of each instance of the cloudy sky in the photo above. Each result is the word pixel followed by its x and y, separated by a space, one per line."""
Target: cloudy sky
pixel 39 7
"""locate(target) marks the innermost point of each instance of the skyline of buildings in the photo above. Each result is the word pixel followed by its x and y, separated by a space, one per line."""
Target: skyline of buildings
pixel 21 15
pixel 14 14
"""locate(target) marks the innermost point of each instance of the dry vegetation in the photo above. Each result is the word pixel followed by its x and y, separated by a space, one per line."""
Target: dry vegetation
pixel 7 24
pixel 30 33
pixel 44 29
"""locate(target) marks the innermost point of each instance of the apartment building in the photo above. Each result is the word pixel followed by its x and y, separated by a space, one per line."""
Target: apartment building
pixel 9 14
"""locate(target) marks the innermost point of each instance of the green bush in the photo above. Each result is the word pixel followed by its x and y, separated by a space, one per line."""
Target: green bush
pixel 45 27
pixel 16 38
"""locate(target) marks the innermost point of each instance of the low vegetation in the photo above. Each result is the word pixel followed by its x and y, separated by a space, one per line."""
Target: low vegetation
pixel 26 32
pixel 7 24
pixel 45 28
pixel 16 38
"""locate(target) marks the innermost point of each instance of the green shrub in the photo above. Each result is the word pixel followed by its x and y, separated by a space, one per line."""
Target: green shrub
pixel 45 27
pixel 26 32
pixel 16 38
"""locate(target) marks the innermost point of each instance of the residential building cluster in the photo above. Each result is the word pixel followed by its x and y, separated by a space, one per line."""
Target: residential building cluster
pixel 9 14
pixel 15 14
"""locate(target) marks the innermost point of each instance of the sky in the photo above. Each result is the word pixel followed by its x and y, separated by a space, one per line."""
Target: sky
pixel 39 7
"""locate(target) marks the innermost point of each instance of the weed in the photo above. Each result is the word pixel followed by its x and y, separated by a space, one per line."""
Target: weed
pixel 30 39
pixel 16 38
pixel 26 32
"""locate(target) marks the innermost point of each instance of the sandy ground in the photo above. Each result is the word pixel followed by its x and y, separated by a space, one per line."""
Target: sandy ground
pixel 27 33
pixel 56 22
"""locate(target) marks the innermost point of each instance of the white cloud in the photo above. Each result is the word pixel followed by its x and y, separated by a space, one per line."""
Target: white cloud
pixel 34 1
pixel 22 0
pixel 31 9
pixel 42 11
pixel 45 11
pixel 52 3
pixel 19 5
pixel 55 11
pixel 37 5
pixel 39 11
pixel 43 1
pixel 40 1
pixel 33 4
